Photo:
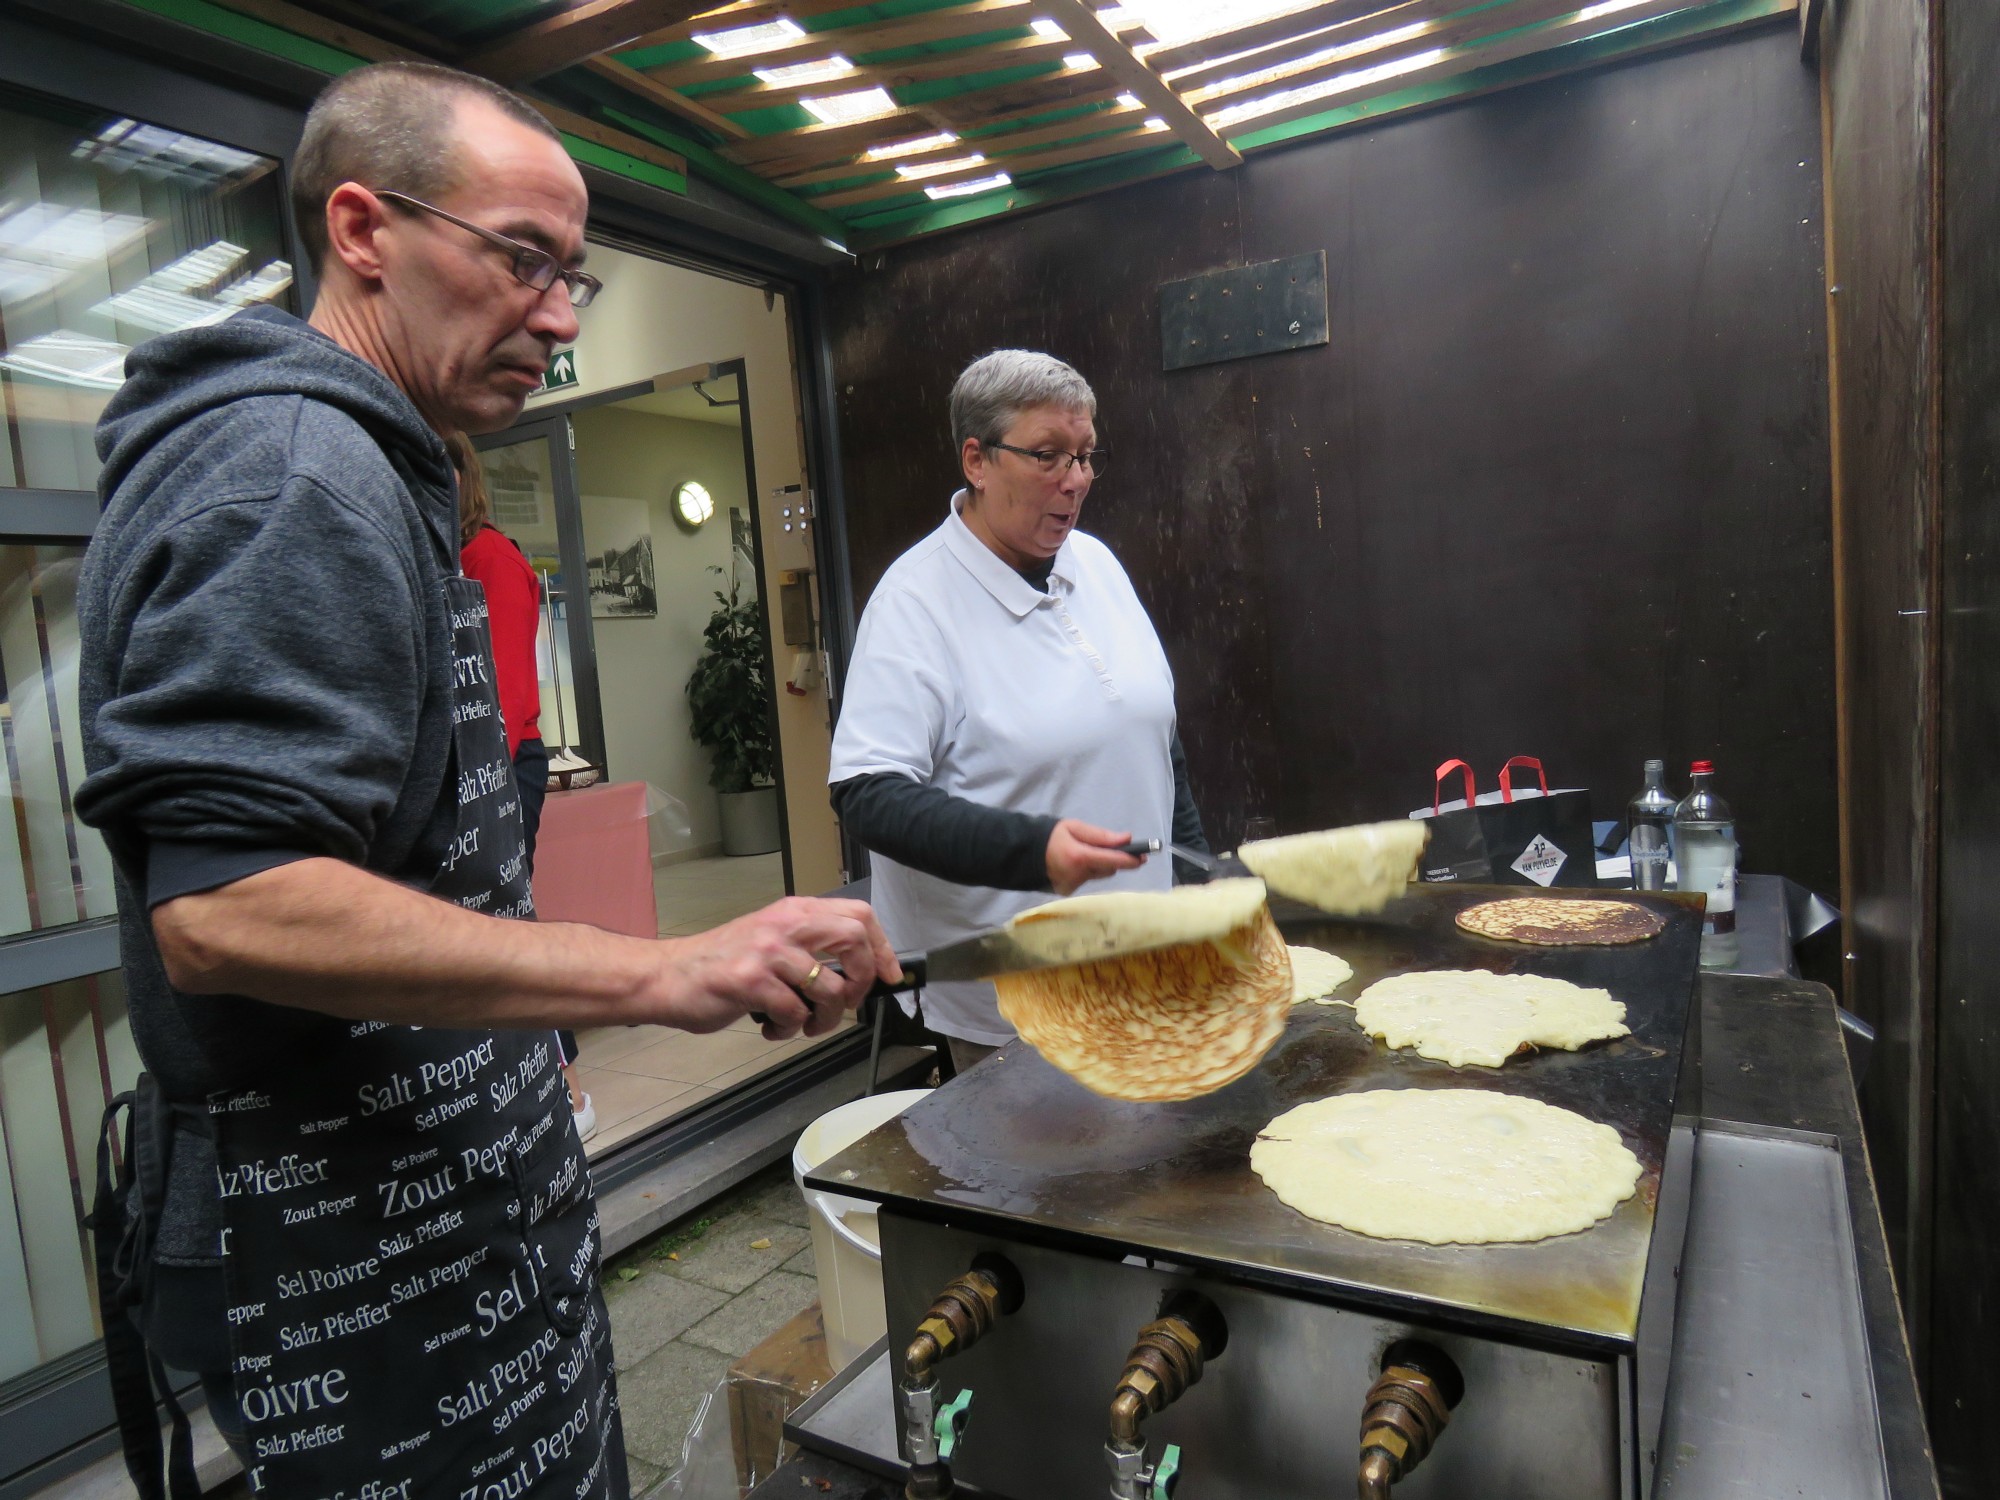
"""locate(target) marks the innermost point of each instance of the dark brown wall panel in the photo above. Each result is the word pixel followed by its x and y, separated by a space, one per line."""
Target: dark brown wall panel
pixel 1558 485
pixel 1876 58
pixel 1964 1376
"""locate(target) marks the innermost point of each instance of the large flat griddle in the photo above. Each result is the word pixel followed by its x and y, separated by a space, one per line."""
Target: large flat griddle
pixel 1019 1149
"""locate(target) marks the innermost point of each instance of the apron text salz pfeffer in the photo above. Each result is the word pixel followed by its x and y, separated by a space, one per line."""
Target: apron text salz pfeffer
pixel 410 1239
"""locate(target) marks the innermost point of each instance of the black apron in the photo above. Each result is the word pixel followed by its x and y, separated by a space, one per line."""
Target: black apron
pixel 410 1240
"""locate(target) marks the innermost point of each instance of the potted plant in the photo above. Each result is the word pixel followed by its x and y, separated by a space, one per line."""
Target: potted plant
pixel 729 702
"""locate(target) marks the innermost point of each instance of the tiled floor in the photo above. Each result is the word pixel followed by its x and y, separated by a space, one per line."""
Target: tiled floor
pixel 739 1269
pixel 640 1076
pixel 703 893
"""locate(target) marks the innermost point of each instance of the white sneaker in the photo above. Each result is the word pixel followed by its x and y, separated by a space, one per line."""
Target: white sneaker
pixel 586 1120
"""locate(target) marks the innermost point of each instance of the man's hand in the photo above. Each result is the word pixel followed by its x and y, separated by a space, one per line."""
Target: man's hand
pixel 761 963
pixel 1080 852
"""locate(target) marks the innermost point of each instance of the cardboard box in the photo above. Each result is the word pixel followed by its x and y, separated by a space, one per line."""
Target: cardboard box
pixel 766 1385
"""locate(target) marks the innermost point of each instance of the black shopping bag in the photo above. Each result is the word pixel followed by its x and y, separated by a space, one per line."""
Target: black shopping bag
pixel 1528 837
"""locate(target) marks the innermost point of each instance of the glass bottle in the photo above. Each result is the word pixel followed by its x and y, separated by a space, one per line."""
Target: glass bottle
pixel 1705 858
pixel 1651 821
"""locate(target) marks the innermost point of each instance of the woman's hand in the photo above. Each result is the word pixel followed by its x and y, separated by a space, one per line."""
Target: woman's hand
pixel 1080 851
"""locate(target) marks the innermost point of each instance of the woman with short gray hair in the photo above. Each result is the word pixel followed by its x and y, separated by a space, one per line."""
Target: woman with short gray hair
pixel 1008 721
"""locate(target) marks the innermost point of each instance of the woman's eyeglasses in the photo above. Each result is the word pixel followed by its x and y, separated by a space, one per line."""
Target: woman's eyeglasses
pixel 533 267
pixel 1054 461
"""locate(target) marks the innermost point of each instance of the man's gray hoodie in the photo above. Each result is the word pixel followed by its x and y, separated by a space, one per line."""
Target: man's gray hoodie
pixel 266 665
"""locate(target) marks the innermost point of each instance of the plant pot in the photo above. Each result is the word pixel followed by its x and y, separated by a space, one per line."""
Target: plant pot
pixel 750 821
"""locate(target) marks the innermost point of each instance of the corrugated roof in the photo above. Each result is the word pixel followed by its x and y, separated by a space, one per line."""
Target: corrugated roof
pixel 885 120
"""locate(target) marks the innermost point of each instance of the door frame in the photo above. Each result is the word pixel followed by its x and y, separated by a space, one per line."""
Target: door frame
pixel 554 428
pixel 556 416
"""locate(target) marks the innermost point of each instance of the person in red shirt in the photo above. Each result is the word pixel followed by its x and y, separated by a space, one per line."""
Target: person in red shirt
pixel 514 612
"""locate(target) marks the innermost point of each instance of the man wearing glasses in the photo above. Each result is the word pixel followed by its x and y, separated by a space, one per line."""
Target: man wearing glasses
pixel 374 1236
pixel 1008 721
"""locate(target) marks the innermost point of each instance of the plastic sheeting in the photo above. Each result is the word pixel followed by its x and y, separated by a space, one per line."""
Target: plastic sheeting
pixel 707 1469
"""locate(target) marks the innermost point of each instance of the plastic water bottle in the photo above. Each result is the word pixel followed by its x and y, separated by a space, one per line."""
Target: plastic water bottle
pixel 1705 853
pixel 1651 818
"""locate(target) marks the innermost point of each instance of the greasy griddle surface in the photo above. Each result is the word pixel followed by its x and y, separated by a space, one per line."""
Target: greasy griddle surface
pixel 1016 1146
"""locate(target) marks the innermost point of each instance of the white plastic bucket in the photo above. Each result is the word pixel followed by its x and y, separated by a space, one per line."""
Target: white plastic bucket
pixel 847 1252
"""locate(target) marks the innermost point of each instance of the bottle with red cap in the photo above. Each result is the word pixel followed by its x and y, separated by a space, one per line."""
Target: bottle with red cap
pixel 1705 860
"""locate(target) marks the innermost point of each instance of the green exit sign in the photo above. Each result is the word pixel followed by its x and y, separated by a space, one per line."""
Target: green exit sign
pixel 561 373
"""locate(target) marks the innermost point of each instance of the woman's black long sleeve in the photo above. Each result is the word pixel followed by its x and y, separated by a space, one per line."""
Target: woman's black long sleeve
pixel 956 839
pixel 952 838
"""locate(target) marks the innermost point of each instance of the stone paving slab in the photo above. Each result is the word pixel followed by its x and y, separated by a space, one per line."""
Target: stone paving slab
pixel 649 1311
pixel 746 1320
pixel 781 1199
pixel 660 1395
pixel 725 1256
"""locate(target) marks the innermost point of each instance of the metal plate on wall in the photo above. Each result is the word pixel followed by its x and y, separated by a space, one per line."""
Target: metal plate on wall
pixel 1233 314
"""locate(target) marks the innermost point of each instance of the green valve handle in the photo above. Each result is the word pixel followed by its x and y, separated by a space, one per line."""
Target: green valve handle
pixel 1167 1473
pixel 950 1424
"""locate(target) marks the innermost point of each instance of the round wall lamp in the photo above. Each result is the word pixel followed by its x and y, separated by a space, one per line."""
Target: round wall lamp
pixel 693 505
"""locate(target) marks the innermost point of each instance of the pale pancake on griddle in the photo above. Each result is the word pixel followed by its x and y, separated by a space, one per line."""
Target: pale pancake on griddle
pixel 1469 1016
pixel 1445 1166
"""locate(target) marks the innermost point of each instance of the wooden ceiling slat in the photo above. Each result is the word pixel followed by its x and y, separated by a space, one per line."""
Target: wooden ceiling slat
pixel 880 36
pixel 745 13
pixel 814 145
pixel 1462 30
pixel 989 59
pixel 1032 161
pixel 1082 23
pixel 1463 59
pixel 389 28
pixel 334 33
pixel 1263 33
pixel 607 135
pixel 1013 140
pixel 768 154
pixel 570 36
pixel 636 82
pixel 1276 54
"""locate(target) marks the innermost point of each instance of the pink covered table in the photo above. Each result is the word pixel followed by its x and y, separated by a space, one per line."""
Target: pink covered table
pixel 594 860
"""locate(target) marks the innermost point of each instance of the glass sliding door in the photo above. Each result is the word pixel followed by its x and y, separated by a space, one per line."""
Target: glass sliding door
pixel 113 229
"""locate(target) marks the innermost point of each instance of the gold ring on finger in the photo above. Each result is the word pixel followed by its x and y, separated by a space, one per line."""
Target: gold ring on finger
pixel 811 974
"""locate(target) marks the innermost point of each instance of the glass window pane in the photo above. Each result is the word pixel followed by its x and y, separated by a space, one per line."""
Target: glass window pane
pixel 64 1051
pixel 113 231
pixel 53 869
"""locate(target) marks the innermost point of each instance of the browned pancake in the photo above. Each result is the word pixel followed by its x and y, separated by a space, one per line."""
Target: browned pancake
pixel 1558 922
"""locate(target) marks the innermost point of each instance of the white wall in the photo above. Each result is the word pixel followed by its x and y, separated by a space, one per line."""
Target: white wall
pixel 629 461
pixel 653 318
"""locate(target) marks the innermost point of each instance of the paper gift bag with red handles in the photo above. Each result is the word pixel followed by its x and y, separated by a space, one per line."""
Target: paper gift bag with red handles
pixel 1526 835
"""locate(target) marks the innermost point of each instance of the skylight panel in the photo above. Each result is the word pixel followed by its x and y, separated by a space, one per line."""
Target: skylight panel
pixel 939 168
pixel 1340 83
pixel 806 72
pixel 910 148
pixel 851 109
pixel 1325 55
pixel 1048 30
pixel 748 41
pixel 1607 8
pixel 1175 21
pixel 967 189
pixel 1079 62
